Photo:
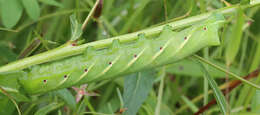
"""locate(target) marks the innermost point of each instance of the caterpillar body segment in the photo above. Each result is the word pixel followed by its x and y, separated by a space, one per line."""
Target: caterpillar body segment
pixel 122 58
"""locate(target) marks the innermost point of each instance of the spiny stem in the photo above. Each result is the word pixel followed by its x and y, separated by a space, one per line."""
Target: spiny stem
pixel 227 72
pixel 68 50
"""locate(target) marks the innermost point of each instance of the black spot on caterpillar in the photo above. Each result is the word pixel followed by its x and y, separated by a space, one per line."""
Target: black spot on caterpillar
pixel 122 58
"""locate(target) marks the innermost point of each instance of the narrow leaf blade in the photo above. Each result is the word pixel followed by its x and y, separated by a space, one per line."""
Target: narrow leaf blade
pixel 236 36
pixel 76 30
pixel 221 101
pixel 48 108
pixel 67 97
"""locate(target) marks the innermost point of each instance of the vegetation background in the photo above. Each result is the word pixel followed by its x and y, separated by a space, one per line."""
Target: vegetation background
pixel 29 27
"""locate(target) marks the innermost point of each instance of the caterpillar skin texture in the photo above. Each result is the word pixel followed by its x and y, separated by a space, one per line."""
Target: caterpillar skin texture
pixel 122 58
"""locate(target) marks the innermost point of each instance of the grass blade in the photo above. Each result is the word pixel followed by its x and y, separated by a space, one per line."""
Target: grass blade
pixel 217 93
pixel 48 108
pixel 229 73
pixel 66 95
pixel 236 36
pixel 76 30
pixel 189 103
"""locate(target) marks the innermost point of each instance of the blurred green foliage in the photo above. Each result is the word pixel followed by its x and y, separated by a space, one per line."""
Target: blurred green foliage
pixel 24 21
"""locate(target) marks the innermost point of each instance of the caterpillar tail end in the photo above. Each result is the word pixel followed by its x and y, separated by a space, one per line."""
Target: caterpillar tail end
pixel 216 21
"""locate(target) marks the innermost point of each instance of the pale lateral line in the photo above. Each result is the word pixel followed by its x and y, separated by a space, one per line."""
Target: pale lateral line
pixel 107 68
pixel 183 44
pixel 185 41
pixel 188 37
pixel 85 73
pixel 158 53
pixel 133 60
pixel 64 80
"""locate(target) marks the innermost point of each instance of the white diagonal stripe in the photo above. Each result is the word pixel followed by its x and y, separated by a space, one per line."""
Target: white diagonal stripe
pixel 133 60
pixel 160 51
pixel 85 73
pixel 108 67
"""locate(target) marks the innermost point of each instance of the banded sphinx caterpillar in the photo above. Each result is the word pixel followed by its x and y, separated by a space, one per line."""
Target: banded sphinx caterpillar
pixel 122 58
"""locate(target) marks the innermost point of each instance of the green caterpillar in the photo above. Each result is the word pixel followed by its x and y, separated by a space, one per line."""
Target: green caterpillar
pixel 122 58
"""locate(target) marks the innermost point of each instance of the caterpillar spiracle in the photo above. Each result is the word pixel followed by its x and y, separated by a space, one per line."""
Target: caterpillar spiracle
pixel 122 58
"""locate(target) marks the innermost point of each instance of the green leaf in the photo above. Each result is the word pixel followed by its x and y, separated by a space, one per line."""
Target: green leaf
pixel 6 105
pixel 136 89
pixel 256 102
pixel 110 106
pixel 9 82
pixel 7 53
pixel 221 101
pixel 236 36
pixel 11 12
pixel 256 60
pixel 51 2
pixel 67 97
pixel 48 108
pixel 32 8
pixel 76 30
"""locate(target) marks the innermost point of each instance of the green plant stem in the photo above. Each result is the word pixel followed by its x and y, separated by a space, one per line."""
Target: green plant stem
pixel 227 72
pixel 20 28
pixel 206 83
pixel 160 93
pixel 69 50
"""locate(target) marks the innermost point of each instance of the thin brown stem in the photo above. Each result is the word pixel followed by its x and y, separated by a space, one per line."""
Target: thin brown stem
pixel 11 98
pixel 28 50
pixel 231 85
